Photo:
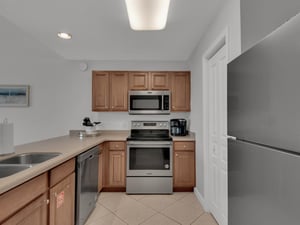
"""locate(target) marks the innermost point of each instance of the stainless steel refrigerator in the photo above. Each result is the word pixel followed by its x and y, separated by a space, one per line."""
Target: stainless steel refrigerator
pixel 264 117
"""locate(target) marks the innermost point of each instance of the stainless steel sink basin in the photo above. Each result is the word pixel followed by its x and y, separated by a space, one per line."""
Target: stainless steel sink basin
pixel 7 170
pixel 30 158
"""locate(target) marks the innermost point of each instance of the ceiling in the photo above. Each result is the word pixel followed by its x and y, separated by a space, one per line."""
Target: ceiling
pixel 101 31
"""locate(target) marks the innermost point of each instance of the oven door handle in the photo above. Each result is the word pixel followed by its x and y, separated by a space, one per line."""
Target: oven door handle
pixel 148 143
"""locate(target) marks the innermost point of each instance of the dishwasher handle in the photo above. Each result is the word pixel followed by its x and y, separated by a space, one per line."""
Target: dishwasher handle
pixel 91 157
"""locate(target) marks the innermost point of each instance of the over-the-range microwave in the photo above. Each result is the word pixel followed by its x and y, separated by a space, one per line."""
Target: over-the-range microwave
pixel 149 102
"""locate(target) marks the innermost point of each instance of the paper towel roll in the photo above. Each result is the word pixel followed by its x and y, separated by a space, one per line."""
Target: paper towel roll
pixel 6 138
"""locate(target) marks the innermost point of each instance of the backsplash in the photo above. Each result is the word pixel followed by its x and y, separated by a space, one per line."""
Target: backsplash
pixel 121 120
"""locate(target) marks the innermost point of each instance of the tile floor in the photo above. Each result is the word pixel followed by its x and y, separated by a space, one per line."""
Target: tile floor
pixel 115 208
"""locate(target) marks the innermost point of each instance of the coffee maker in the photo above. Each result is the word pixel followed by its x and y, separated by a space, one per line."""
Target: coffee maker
pixel 178 127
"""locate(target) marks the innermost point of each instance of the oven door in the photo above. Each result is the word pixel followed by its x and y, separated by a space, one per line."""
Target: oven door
pixel 149 158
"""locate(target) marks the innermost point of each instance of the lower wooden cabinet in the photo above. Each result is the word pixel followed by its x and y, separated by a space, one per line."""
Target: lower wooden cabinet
pixel 48 199
pixel 34 213
pixel 62 202
pixel 113 166
pixel 101 167
pixel 184 165
pixel 13 202
pixel 117 168
pixel 62 194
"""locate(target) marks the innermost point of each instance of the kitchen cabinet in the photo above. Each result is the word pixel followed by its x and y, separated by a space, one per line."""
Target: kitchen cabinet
pixel 148 81
pixel 116 164
pixel 109 91
pixel 180 91
pixel 159 80
pixel 184 165
pixel 62 194
pixel 34 213
pixel 138 81
pixel 100 91
pixel 101 168
pixel 26 203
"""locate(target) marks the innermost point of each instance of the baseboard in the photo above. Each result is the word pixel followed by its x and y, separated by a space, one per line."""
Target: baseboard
pixel 201 199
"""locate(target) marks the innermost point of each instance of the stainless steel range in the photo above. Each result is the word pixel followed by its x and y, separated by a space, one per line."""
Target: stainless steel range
pixel 149 158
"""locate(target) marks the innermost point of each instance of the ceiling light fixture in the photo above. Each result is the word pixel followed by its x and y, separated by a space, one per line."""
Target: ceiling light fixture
pixel 64 35
pixel 147 14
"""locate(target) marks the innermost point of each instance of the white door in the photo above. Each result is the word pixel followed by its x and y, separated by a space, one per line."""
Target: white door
pixel 218 135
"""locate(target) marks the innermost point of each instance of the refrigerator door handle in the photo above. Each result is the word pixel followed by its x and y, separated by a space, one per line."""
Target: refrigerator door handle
pixel 231 137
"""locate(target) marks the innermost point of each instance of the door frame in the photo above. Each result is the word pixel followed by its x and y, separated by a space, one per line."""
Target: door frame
pixel 221 41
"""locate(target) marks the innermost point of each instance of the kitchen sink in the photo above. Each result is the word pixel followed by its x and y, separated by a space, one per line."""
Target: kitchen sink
pixel 7 170
pixel 30 158
pixel 23 161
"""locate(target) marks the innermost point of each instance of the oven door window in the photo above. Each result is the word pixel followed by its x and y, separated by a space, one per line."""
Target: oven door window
pixel 149 159
pixel 153 102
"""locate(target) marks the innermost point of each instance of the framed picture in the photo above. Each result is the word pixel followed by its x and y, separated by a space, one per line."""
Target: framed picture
pixel 14 95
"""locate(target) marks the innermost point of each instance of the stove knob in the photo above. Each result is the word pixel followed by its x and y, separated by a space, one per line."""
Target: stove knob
pixel 138 124
pixel 134 125
pixel 160 124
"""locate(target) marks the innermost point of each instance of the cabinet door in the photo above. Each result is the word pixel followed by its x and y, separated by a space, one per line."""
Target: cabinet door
pixel 33 214
pixel 117 168
pixel 138 81
pixel 159 80
pixel 180 95
pixel 101 167
pixel 184 169
pixel 100 91
pixel 62 198
pixel 119 91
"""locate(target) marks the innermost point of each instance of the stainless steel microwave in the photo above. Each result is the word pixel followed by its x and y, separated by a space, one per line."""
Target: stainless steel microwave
pixel 149 102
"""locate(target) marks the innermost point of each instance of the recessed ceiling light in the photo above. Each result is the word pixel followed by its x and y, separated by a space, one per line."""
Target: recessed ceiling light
pixel 64 35
pixel 147 14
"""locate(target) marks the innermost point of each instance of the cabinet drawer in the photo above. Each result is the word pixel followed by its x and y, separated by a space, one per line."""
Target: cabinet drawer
pixel 15 199
pixel 184 145
pixel 116 145
pixel 61 171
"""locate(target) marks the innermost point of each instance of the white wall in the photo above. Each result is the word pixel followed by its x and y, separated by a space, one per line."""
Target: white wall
pixel 229 16
pixel 60 93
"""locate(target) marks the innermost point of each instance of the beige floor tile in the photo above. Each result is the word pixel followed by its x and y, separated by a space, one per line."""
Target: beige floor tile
pixel 179 195
pixel 157 202
pixel 109 219
pixel 135 213
pixel 137 197
pixel 190 198
pixel 98 212
pixel 184 213
pixel 205 219
pixel 159 219
pixel 118 201
pixel 103 195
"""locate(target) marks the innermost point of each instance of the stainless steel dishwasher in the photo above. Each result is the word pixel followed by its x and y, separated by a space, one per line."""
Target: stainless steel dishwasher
pixel 86 184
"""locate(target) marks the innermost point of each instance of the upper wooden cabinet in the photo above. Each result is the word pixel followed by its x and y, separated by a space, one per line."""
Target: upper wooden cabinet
pixel 159 80
pixel 109 91
pixel 180 91
pixel 148 81
pixel 110 88
pixel 100 91
pixel 138 81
